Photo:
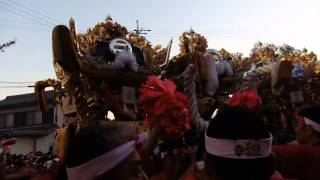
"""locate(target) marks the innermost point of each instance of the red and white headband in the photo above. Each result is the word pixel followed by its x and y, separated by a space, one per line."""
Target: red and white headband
pixel 105 162
pixel 239 149
pixel 311 123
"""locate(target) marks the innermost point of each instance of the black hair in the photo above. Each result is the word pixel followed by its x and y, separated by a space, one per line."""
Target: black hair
pixel 312 113
pixel 238 123
pixel 94 140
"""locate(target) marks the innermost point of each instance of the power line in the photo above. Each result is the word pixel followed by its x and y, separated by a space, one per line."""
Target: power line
pixel 16 87
pixel 16 82
pixel 23 29
pixel 17 22
pixel 16 26
pixel 36 17
pixel 18 14
pixel 199 30
pixel 36 12
pixel 206 35
pixel 19 27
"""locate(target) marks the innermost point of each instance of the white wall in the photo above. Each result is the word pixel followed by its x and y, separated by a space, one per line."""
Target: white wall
pixel 24 145
pixel 43 142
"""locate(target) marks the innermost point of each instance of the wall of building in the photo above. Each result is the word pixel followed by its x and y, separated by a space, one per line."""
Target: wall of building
pixel 43 142
pixel 25 145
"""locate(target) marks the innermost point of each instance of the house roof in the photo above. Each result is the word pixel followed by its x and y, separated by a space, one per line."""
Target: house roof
pixel 22 100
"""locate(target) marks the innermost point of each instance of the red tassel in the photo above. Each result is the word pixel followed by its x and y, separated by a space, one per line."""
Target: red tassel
pixel 164 106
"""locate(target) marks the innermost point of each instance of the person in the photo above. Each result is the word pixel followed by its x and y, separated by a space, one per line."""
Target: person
pixel 238 146
pixel 302 160
pixel 104 150
pixel 172 156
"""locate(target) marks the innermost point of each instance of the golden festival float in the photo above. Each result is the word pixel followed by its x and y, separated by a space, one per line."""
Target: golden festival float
pixel 99 72
pixel 102 70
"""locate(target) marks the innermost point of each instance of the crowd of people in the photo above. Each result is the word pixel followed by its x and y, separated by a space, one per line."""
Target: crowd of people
pixel 37 165
pixel 236 145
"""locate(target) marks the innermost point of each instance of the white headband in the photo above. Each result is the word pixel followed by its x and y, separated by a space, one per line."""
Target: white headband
pixel 313 124
pixel 103 163
pixel 239 149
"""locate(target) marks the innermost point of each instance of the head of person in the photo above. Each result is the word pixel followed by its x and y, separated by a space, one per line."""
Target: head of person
pixel 238 146
pixel 172 156
pixel 103 150
pixel 308 126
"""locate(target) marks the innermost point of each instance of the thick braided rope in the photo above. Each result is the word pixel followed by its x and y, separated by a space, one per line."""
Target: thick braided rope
pixel 190 91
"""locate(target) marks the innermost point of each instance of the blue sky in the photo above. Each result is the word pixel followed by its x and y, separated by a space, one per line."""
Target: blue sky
pixel 234 25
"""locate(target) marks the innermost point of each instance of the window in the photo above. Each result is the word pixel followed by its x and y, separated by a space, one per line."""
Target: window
pixel 30 118
pixel 3 121
pixel 10 120
pixel 22 119
pixel 47 116
pixel 19 119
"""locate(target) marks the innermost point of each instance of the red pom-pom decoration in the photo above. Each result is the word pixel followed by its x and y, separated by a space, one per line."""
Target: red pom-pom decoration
pixel 247 98
pixel 164 106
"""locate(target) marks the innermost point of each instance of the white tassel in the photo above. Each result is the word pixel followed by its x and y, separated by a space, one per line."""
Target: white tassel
pixel 224 68
pixel 259 72
pixel 213 82
pixel 123 59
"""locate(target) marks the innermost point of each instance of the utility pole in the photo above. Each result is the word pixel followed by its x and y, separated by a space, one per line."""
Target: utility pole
pixel 141 31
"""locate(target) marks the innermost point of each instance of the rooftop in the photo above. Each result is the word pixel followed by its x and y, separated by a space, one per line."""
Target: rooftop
pixel 22 100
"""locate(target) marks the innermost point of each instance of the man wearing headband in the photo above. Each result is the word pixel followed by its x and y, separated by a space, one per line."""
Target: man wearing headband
pixel 104 150
pixel 238 146
pixel 302 160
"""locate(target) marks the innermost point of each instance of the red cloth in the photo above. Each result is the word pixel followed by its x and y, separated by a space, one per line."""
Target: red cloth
pixel 191 177
pixel 298 161
pixel 276 178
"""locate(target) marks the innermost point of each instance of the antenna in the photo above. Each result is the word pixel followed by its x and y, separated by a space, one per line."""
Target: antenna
pixel 141 31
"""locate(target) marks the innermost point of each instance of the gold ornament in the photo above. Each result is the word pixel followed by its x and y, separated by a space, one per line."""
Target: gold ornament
pixel 191 42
